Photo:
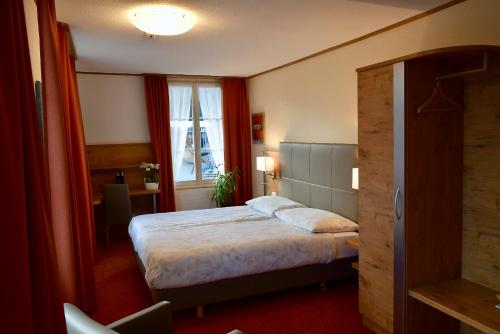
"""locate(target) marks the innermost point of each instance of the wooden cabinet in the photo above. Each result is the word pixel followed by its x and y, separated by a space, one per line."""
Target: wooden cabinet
pixel 375 212
pixel 428 207
pixel 411 195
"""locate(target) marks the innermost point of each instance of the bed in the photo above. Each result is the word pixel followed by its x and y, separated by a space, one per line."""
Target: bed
pixel 201 257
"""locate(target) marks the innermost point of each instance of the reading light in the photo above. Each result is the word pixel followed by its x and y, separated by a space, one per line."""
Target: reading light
pixel 265 164
pixel 162 20
pixel 355 178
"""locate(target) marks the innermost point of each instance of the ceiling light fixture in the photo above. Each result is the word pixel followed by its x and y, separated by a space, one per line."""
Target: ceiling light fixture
pixel 162 20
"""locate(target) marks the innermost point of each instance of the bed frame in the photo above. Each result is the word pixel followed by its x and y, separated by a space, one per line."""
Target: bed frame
pixel 316 175
pixel 252 285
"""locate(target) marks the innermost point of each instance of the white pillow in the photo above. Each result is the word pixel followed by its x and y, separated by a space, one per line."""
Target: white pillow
pixel 268 205
pixel 316 220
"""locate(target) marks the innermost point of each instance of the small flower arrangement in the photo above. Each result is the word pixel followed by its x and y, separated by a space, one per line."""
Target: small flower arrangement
pixel 152 172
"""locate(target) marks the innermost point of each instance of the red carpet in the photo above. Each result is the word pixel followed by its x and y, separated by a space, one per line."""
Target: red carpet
pixel 121 291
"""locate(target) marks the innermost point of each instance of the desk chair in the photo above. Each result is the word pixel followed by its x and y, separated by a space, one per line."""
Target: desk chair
pixel 117 208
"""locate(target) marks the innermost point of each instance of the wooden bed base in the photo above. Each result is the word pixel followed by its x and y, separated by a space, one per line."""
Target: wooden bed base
pixel 251 285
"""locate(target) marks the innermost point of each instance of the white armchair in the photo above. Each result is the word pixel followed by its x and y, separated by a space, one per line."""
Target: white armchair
pixel 156 319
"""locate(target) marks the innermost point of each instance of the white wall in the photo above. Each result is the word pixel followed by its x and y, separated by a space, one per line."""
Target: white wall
pixel 113 109
pixel 316 100
pixel 30 14
pixel 192 199
pixel 114 112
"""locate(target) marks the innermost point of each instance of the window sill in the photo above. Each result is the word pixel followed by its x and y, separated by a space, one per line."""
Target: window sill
pixel 185 186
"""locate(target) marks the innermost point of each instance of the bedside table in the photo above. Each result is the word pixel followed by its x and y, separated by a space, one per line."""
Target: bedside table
pixel 353 243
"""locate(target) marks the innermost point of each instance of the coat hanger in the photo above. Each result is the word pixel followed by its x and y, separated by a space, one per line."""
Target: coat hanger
pixel 439 101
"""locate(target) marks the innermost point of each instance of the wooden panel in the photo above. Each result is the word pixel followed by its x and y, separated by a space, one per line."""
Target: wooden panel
pixel 433 197
pixel 106 160
pixel 464 300
pixel 118 154
pixel 375 138
pixel 481 198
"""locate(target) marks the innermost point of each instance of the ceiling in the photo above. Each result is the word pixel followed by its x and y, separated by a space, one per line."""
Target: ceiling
pixel 231 38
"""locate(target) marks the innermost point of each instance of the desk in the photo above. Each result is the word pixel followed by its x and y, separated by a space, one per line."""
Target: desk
pixel 97 198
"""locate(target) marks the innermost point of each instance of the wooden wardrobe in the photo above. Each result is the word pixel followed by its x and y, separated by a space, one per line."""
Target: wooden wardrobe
pixel 422 226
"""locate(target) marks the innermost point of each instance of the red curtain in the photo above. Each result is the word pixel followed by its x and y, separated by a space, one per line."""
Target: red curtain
pixel 67 161
pixel 237 145
pixel 158 107
pixel 30 290
pixel 79 176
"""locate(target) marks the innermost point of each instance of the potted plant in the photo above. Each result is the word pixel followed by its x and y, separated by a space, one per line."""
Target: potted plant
pixel 152 177
pixel 225 185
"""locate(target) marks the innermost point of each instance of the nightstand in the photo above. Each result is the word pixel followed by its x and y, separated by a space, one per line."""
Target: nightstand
pixel 353 243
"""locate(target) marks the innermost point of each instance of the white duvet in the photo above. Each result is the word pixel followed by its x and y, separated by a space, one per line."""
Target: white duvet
pixel 193 247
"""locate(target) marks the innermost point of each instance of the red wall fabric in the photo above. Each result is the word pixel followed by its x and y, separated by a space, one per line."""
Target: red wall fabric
pixel 30 290
pixel 68 171
pixel 158 108
pixel 237 144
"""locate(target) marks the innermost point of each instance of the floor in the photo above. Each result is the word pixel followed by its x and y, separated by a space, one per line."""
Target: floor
pixel 121 291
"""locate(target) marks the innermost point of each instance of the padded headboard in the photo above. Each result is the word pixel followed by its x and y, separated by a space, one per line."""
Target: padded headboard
pixel 320 176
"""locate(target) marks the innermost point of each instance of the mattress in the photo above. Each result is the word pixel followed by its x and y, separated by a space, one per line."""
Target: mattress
pixel 188 248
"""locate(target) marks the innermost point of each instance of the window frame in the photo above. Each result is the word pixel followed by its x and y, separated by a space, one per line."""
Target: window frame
pixel 194 83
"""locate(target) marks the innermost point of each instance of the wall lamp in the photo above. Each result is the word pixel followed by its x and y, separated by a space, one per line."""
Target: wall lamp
pixel 266 165
pixel 355 178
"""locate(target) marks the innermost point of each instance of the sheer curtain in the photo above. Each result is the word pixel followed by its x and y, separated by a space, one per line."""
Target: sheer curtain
pixel 180 109
pixel 211 113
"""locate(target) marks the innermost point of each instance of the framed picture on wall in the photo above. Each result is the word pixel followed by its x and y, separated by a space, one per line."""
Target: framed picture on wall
pixel 258 128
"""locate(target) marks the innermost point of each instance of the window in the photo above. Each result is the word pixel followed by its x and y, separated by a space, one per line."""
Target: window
pixel 196 131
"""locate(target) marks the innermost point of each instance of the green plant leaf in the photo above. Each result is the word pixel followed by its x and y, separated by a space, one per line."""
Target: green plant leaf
pixel 225 186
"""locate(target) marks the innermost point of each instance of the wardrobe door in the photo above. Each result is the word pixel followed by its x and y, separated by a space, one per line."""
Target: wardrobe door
pixel 375 196
pixel 432 222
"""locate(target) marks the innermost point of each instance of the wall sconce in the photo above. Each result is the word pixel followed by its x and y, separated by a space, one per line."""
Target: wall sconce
pixel 266 165
pixel 355 178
